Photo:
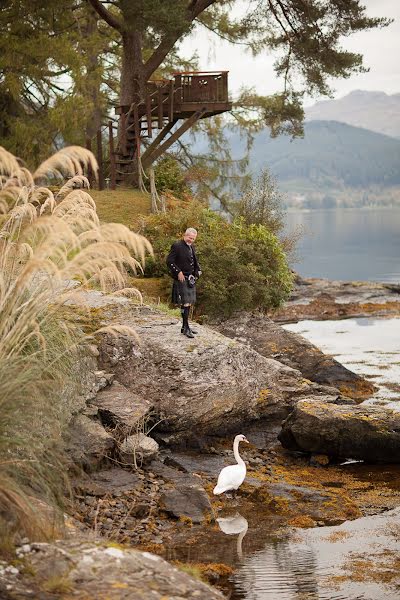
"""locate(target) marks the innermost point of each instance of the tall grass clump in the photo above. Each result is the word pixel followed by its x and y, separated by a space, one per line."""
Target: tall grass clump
pixel 45 243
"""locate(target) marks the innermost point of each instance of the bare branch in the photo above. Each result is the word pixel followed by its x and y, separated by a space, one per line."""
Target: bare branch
pixel 106 15
pixel 194 9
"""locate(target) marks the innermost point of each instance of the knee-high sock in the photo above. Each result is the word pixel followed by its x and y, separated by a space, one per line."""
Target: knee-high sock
pixel 185 316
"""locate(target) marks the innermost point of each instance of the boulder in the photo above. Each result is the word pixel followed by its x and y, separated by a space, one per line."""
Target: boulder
pixel 190 501
pixel 210 384
pixel 138 448
pixel 87 442
pixel 321 506
pixel 184 494
pixel 364 432
pixel 122 408
pixel 87 569
pixel 272 341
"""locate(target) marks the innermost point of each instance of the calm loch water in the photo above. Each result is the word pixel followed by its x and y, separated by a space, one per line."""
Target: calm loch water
pixel 348 244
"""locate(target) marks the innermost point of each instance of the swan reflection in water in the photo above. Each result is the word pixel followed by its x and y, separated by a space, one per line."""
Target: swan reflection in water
pixel 281 570
pixel 236 525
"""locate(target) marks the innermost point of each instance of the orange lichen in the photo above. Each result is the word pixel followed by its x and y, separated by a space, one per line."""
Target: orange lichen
pixel 338 536
pixel 378 568
pixel 302 521
pixel 263 395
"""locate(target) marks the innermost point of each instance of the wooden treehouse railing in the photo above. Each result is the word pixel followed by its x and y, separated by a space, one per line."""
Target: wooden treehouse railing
pixel 187 96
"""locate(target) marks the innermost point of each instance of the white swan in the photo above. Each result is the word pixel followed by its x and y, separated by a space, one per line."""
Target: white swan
pixel 230 478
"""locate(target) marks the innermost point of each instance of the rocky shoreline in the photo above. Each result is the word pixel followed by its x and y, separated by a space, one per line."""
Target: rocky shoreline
pixel 154 425
pixel 321 299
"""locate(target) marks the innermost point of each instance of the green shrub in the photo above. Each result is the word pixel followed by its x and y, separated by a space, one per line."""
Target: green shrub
pixel 170 177
pixel 244 266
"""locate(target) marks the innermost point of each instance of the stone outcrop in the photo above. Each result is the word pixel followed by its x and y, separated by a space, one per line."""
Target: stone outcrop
pixel 322 506
pixel 94 570
pixel 272 341
pixel 322 299
pixel 362 432
pixel 211 384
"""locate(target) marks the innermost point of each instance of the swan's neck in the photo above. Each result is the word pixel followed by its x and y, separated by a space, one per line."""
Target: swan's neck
pixel 239 460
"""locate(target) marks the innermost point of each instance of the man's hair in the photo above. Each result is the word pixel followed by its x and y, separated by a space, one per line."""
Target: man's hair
pixel 191 230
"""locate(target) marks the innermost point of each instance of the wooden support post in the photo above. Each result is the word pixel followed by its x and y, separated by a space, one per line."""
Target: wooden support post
pixel 147 161
pixel 100 160
pixel 148 116
pixel 225 86
pixel 171 101
pixel 90 175
pixel 158 139
pixel 160 109
pixel 113 179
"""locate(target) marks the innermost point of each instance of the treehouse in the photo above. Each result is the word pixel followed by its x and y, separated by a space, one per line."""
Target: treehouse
pixel 187 97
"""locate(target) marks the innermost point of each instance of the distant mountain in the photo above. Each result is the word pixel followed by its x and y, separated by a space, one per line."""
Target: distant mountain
pixel 375 111
pixel 330 154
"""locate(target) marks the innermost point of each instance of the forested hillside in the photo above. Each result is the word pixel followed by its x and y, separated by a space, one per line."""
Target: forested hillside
pixel 331 151
pixel 333 164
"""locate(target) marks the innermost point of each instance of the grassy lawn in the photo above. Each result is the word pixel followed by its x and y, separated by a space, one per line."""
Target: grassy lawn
pixel 126 206
pixel 121 206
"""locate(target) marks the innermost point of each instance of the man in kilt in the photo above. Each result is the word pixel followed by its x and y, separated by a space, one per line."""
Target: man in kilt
pixel 185 269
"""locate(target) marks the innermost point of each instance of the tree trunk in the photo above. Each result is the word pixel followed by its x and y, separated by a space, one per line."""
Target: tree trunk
pixel 133 84
pixel 93 80
pixel 133 90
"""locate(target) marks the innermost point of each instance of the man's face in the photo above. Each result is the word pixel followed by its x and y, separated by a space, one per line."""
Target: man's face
pixel 190 238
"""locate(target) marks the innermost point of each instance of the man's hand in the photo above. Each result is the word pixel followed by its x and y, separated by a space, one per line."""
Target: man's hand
pixel 181 276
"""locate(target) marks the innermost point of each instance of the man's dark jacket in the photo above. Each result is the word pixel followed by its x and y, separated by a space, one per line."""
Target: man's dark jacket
pixel 182 257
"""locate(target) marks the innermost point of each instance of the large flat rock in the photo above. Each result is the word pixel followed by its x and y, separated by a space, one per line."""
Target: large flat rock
pixel 87 569
pixel 362 432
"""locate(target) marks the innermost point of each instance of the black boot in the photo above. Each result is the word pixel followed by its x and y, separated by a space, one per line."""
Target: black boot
pixel 188 332
pixel 191 330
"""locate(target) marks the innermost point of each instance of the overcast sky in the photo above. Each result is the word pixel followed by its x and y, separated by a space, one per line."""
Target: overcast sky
pixel 380 48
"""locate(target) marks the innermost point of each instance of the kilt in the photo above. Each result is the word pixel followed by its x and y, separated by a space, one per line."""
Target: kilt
pixel 182 293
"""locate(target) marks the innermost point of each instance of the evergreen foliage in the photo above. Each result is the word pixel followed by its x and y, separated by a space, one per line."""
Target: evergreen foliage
pixel 244 266
pixel 64 63
pixel 170 177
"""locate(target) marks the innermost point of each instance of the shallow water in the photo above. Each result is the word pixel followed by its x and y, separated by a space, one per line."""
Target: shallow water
pixel 271 563
pixel 367 346
pixel 314 563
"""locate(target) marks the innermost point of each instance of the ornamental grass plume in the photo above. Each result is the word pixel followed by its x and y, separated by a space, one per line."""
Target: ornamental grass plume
pixel 68 162
pixel 44 244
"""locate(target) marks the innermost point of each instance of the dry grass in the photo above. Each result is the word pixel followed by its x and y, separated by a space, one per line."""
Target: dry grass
pixel 45 243
pixel 121 206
